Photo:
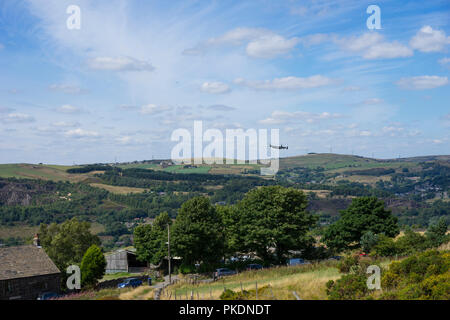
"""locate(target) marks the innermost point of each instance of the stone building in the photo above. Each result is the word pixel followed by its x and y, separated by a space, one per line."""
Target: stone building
pixel 26 272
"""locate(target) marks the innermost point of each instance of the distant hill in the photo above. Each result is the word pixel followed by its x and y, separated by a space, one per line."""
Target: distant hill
pixel 327 161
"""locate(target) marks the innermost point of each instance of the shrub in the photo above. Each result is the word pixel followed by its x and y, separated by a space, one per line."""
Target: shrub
pixel 349 287
pixel 368 241
pixel 423 276
pixel 385 247
pixel 347 263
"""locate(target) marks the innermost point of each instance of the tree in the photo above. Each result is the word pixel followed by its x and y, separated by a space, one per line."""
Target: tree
pixel 66 243
pixel 436 233
pixel 274 218
pixel 150 241
pixel 197 235
pixel 92 266
pixel 364 214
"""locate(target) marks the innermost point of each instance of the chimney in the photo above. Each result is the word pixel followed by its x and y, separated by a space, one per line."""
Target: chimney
pixel 36 240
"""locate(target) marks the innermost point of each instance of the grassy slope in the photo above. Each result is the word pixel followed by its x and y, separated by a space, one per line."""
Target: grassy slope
pixel 331 162
pixel 308 281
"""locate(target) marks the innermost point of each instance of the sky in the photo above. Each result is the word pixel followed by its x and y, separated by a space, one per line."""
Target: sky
pixel 135 71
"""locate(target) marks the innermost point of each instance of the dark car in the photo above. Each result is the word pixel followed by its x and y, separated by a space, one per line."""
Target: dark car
pixel 48 296
pixel 224 272
pixel 254 266
pixel 132 282
pixel 297 261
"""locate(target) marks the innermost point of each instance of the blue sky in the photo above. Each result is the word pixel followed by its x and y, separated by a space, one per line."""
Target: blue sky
pixel 136 71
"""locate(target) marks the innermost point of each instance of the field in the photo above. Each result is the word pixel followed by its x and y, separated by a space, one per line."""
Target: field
pixel 27 232
pixel 44 172
pixel 275 283
pixel 117 189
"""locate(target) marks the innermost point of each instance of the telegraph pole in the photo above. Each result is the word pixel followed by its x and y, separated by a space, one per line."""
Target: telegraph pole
pixel 168 252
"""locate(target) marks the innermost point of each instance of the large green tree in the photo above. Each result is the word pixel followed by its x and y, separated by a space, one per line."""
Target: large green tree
pixel 66 243
pixel 364 214
pixel 92 266
pixel 436 233
pixel 197 233
pixel 272 221
pixel 150 240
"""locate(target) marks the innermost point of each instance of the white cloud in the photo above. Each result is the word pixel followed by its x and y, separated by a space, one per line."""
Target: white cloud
pixel 67 88
pixel 67 108
pixel 124 140
pixel 422 82
pixel 270 46
pixel 17 118
pixel 5 109
pixel 64 124
pixel 429 40
pixel 260 43
pixel 153 109
pixel 221 107
pixel 215 87
pixel 287 83
pixel 80 133
pixel 373 101
pixel 282 117
pixel 444 61
pixel 372 46
pixel 119 64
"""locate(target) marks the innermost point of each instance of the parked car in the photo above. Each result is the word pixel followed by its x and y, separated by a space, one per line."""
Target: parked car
pixel 254 266
pixel 223 272
pixel 48 296
pixel 297 261
pixel 131 282
pixel 335 258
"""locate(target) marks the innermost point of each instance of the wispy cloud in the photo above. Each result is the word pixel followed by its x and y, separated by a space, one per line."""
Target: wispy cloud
pixel 287 83
pixel 215 87
pixel 119 64
pixel 422 82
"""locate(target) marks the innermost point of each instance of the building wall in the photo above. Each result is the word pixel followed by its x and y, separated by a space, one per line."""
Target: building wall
pixel 29 288
pixel 117 262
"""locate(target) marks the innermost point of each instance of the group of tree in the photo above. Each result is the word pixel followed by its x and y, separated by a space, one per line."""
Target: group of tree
pixel 270 222
pixel 72 243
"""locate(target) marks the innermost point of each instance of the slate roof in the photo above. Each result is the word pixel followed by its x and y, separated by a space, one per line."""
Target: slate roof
pixel 25 261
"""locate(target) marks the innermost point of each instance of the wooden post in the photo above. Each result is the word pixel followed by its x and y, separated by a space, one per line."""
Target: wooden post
pixel 256 284
pixel 241 287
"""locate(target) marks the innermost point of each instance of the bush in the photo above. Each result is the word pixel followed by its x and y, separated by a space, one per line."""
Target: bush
pixel 345 265
pixel 349 287
pixel 385 247
pixel 368 241
pixel 422 276
pixel 186 269
pixel 231 295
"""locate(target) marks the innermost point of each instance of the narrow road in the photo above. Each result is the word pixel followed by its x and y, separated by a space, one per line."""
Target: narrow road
pixel 161 285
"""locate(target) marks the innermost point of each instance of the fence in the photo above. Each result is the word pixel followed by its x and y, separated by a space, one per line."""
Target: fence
pixel 263 293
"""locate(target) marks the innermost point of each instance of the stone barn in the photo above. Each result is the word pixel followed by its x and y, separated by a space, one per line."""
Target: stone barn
pixel 124 261
pixel 26 272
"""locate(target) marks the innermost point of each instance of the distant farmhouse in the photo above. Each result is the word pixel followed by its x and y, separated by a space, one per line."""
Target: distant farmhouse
pixel 26 272
pixel 124 260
